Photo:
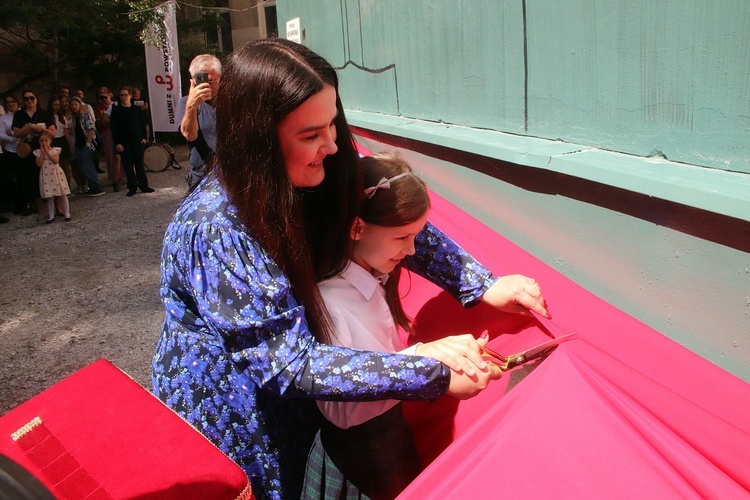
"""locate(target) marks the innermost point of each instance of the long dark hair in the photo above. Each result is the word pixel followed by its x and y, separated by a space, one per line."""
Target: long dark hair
pixel 61 113
pixel 404 202
pixel 305 231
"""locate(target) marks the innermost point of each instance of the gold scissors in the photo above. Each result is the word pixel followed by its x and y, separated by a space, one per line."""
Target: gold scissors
pixel 509 362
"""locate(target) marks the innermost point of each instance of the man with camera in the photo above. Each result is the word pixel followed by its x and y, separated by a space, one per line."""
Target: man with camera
pixel 197 114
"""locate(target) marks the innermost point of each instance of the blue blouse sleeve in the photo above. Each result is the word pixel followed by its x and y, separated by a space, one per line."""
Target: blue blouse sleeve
pixel 245 299
pixel 442 261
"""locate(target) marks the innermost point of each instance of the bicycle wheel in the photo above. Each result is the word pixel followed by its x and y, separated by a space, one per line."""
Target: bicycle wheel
pixel 157 158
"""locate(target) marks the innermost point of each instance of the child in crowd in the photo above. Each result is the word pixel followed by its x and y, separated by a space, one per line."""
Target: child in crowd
pixel 367 448
pixel 52 182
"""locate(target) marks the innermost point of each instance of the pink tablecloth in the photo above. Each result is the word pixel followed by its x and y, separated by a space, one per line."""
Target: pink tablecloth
pixel 622 411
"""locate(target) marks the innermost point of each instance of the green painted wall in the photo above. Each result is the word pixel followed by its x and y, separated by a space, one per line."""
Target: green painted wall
pixel 668 78
pixel 615 86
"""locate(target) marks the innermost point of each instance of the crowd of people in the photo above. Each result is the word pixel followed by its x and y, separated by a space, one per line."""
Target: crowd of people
pixel 81 136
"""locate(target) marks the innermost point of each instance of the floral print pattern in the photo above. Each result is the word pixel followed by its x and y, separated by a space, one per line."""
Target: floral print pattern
pixel 237 360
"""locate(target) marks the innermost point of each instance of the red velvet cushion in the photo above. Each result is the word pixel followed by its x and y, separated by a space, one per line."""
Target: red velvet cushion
pixel 104 436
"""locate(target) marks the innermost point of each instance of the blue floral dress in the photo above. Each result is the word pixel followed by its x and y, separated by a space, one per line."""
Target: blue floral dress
pixel 236 358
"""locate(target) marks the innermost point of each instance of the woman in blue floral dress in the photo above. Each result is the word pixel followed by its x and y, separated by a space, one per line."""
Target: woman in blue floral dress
pixel 242 355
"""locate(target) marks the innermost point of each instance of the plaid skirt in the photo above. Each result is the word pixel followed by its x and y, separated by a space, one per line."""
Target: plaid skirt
pixel 375 460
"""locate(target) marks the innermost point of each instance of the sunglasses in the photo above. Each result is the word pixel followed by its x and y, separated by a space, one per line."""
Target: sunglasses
pixel 29 98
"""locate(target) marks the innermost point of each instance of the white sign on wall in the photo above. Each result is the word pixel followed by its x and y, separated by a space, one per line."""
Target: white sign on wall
pixel 293 30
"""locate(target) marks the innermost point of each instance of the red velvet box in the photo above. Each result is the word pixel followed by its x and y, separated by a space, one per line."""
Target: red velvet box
pixel 98 434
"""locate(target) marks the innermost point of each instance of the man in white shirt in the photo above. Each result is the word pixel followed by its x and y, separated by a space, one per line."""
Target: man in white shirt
pixel 9 160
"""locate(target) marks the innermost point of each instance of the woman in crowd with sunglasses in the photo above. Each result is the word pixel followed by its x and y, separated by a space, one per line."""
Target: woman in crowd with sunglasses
pixel 28 123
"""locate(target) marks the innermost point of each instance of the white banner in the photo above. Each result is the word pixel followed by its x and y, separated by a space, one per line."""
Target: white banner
pixel 163 70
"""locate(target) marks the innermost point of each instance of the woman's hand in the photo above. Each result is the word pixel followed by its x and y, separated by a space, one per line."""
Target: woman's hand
pixel 517 294
pixel 119 148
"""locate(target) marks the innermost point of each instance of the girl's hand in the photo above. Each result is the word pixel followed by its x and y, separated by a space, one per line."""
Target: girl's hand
pixel 460 352
pixel 517 294
pixel 463 386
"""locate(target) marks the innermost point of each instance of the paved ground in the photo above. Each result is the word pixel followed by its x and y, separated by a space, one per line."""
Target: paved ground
pixel 74 292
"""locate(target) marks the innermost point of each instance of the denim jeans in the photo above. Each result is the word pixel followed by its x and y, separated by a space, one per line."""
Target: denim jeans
pixel 84 158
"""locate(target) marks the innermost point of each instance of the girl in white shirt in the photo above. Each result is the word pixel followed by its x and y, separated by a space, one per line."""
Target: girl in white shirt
pixel 366 449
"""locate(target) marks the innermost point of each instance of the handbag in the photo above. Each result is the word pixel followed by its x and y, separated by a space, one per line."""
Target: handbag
pixel 23 149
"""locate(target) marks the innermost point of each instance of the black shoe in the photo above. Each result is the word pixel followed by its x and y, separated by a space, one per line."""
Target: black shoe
pixel 49 221
pixel 115 187
pixel 3 220
pixel 99 170
pixel 147 189
pixel 131 192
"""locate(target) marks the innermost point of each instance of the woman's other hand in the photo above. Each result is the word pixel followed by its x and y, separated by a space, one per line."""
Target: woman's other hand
pixel 517 294
pixel 470 374
pixel 460 352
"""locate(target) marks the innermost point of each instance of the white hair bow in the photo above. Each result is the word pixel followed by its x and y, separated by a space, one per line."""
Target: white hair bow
pixel 383 183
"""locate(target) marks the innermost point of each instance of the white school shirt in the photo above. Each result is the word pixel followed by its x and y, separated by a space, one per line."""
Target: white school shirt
pixel 356 302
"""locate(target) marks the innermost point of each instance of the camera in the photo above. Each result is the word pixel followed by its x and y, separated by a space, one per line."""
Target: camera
pixel 200 78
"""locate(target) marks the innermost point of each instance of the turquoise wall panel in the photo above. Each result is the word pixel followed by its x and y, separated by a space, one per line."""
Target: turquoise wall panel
pixel 324 26
pixel 381 89
pixel 664 78
pixel 456 61
pixel 353 34
pixel 667 78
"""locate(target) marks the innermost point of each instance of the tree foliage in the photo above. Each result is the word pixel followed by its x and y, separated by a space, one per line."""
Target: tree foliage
pixel 69 41
pixel 80 43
